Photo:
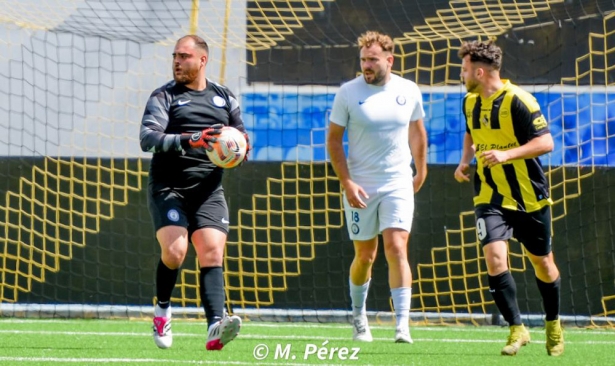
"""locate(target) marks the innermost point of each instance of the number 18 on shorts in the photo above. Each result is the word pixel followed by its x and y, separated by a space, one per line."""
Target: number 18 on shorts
pixel 385 209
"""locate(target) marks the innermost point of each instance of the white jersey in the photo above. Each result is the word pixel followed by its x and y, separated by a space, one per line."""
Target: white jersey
pixel 377 120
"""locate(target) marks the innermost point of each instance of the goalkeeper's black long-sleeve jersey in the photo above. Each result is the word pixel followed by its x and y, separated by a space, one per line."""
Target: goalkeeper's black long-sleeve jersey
pixel 172 113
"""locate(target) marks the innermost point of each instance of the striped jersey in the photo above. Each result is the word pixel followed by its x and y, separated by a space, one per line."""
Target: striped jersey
pixel 509 118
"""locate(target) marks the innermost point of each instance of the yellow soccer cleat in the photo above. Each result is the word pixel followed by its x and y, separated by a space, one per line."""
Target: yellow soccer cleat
pixel 519 337
pixel 555 337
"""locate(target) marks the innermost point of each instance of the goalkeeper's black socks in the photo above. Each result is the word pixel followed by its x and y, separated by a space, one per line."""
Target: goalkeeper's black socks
pixel 212 293
pixel 550 293
pixel 165 283
pixel 504 291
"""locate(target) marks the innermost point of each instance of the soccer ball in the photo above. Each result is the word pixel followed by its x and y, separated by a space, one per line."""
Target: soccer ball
pixel 230 148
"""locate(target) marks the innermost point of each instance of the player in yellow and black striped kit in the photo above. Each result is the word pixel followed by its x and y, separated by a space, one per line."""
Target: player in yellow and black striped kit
pixel 506 132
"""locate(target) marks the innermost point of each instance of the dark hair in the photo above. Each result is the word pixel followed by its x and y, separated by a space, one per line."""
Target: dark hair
pixel 198 42
pixel 369 38
pixel 485 52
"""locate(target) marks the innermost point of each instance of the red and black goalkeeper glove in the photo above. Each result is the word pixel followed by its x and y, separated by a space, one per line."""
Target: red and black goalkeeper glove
pixel 204 139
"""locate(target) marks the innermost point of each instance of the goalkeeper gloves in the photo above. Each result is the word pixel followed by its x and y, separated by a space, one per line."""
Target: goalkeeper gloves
pixel 204 139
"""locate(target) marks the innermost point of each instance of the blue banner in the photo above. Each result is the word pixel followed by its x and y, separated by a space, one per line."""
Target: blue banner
pixel 292 126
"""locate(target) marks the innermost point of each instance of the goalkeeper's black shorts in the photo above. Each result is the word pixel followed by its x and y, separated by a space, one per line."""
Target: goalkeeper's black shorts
pixel 193 208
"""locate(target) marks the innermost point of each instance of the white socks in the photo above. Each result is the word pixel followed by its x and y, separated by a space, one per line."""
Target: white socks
pixel 358 295
pixel 401 302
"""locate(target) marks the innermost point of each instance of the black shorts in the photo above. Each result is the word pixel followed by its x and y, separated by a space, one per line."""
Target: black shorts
pixel 532 229
pixel 193 208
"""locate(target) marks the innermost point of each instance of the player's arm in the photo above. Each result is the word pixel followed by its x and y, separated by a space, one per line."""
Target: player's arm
pixel 335 146
pixel 536 147
pixel 339 119
pixel 417 138
pixel 337 155
pixel 335 136
pixel 535 138
pixel 154 124
pixel 467 154
pixel 536 128
pixel 468 149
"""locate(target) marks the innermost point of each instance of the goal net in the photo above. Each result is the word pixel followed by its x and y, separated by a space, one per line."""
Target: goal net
pixel 75 233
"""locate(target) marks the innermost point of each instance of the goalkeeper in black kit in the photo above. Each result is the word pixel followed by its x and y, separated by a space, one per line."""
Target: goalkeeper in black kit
pixel 185 193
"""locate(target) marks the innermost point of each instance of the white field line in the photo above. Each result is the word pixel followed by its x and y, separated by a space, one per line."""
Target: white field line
pixel 125 361
pixel 481 329
pixel 264 337
pixel 200 323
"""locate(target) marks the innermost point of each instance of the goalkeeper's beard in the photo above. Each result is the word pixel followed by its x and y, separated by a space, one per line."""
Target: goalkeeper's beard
pixel 185 76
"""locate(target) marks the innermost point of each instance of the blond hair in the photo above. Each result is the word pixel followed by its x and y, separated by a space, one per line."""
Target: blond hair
pixel 369 38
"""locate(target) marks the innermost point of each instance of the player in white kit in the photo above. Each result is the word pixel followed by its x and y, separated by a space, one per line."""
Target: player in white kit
pixel 383 114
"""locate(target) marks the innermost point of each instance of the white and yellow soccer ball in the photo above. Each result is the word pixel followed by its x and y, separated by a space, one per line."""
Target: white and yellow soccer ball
pixel 230 148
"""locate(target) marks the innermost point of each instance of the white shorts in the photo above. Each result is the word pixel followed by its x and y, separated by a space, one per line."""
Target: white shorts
pixel 391 208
